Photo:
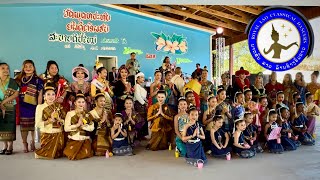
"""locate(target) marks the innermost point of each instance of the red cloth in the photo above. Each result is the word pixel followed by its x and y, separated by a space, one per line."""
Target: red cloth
pixel 272 90
pixel 242 86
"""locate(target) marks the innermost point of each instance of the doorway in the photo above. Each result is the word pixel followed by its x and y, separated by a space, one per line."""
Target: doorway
pixel 108 62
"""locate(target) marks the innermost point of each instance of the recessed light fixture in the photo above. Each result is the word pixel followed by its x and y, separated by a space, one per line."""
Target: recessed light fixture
pixel 183 8
pixel 219 30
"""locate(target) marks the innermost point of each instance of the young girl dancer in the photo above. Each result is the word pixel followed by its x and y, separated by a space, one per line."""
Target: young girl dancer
pixel 224 109
pixel 180 120
pixel 251 132
pixel 299 126
pixel 207 120
pixel 287 137
pixel 280 100
pixel 192 133
pixel 312 111
pixel 238 108
pixel 273 145
pixel 219 138
pixel 240 146
pixel 120 146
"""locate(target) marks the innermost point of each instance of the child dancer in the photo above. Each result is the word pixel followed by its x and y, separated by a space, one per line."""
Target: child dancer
pixel 192 133
pixel 312 111
pixel 273 145
pixel 224 109
pixel 220 139
pixel 207 120
pixel 287 138
pixel 253 107
pixel 180 120
pixel 280 99
pixel 238 109
pixel 250 133
pixel 299 126
pixel 240 146
pixel 120 146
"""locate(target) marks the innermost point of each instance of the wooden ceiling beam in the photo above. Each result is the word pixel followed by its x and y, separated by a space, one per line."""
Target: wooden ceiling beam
pixel 166 18
pixel 150 9
pixel 192 13
pixel 199 18
pixel 218 13
pixel 247 9
pixel 238 12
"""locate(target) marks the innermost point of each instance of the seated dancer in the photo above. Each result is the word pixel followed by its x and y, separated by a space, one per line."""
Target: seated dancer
pixel 299 125
pixel 312 112
pixel 101 135
pixel 251 133
pixel 253 107
pixel 280 100
pixel 223 108
pixel 238 108
pixel 180 120
pixel 192 133
pixel 207 121
pixel 288 140
pixel 120 146
pixel 273 144
pixel 50 119
pixel 79 126
pixel 195 86
pixel 161 119
pixel 219 138
pixel 240 146
pixel 133 122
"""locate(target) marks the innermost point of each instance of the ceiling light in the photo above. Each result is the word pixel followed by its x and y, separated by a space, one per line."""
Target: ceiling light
pixel 183 8
pixel 219 30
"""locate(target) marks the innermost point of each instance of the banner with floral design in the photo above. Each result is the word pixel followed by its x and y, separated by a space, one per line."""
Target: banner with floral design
pixel 175 44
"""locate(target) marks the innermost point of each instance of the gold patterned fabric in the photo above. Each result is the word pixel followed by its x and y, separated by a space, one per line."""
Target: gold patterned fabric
pixel 49 110
pixel 161 127
pixel 102 141
pixel 76 150
pixel 52 145
pixel 313 87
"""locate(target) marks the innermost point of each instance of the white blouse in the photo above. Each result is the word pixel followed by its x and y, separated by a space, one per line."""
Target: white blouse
pixel 140 94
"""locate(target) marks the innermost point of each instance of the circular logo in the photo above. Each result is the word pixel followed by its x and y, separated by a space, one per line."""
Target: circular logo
pixel 280 38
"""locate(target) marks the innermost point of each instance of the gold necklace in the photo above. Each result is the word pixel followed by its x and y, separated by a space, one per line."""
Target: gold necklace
pixel 26 82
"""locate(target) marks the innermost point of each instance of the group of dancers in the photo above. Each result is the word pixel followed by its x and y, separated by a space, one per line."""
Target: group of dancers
pixel 82 118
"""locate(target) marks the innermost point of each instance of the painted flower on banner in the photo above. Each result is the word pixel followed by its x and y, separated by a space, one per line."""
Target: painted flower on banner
pixel 175 44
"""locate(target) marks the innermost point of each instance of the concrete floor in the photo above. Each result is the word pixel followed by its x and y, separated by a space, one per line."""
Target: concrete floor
pixel 303 163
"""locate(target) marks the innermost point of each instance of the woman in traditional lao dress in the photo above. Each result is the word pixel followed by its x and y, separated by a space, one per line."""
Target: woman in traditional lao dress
pixel 31 87
pixel 79 126
pixel 206 89
pixel 133 122
pixel 155 87
pixel 289 89
pixel 161 119
pixel 102 138
pixel 312 112
pixel 314 85
pixel 122 88
pixel 9 91
pixel 80 75
pixel 141 102
pixel 103 85
pixel 61 85
pixel 50 119
pixel 300 84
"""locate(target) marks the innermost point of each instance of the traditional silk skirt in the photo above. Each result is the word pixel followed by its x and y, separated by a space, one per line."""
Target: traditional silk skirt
pixel 274 147
pixel 121 147
pixel 159 140
pixel 51 146
pixel 142 111
pixel 76 150
pixel 244 153
pixel 311 124
pixel 195 153
pixel 27 116
pixel 181 146
pixel 102 143
pixel 288 144
pixel 8 125
pixel 306 139
pixel 220 153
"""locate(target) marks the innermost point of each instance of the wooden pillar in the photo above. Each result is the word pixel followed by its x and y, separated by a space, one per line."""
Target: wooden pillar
pixel 231 62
